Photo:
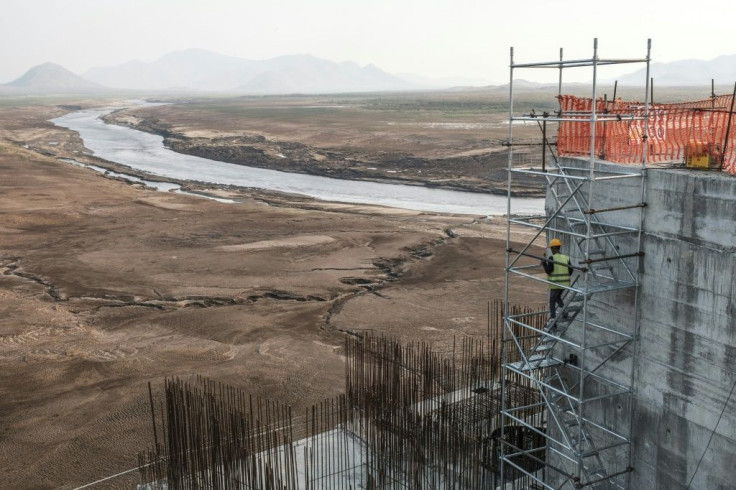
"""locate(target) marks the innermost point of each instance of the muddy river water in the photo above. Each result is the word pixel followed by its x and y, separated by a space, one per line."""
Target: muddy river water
pixel 146 152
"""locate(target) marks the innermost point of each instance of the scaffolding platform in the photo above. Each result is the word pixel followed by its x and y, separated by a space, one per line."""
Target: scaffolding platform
pixel 582 361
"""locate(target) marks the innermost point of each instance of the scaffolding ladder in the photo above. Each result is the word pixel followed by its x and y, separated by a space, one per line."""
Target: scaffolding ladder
pixel 582 361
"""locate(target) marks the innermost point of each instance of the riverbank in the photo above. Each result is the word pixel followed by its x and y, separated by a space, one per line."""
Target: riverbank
pixel 146 152
pixel 342 141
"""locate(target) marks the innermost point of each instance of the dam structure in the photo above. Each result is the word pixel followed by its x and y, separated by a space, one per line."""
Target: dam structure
pixel 635 374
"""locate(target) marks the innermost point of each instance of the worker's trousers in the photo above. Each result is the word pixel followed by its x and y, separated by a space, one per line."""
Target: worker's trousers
pixel 555 300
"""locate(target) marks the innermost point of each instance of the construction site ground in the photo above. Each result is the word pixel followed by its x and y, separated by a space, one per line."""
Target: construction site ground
pixel 107 286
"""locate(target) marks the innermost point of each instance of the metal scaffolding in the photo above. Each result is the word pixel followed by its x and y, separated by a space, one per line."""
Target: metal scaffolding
pixel 582 362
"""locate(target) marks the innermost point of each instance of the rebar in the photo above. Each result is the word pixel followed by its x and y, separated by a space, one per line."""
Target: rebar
pixel 410 418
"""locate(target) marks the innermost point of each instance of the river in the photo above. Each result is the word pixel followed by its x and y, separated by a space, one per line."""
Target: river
pixel 146 152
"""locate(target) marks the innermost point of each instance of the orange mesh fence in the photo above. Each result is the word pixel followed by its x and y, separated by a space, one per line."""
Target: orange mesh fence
pixel 672 129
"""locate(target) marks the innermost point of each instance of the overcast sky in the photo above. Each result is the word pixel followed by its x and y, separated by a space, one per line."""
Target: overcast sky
pixel 434 38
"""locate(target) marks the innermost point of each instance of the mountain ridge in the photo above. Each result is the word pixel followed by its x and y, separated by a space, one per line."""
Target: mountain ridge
pixel 205 70
pixel 200 70
pixel 688 72
pixel 50 77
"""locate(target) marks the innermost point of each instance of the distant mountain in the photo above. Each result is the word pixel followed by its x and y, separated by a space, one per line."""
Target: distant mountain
pixel 52 78
pixel 196 69
pixel 445 82
pixel 307 74
pixel 521 84
pixel 687 72
pixel 199 69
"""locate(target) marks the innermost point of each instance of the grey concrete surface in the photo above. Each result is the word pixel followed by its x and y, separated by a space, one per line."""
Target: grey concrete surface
pixel 683 430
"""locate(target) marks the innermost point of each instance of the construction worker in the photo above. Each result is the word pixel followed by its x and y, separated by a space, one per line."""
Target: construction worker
pixel 559 269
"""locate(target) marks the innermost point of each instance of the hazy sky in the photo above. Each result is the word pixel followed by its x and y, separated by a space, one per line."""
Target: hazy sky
pixel 435 38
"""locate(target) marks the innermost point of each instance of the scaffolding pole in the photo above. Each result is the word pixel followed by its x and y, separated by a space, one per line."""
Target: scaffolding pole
pixel 582 361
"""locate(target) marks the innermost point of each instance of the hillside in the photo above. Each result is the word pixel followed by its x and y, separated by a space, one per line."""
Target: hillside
pixel 52 78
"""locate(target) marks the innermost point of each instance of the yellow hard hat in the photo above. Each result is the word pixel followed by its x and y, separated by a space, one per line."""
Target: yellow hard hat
pixel 555 243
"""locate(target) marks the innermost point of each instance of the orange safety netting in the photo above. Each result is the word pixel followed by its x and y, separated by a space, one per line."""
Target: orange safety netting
pixel 673 128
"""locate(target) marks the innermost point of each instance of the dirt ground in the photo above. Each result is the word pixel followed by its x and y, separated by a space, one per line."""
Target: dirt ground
pixel 107 286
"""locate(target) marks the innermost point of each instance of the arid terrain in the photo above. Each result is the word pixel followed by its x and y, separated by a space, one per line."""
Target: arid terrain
pixel 108 286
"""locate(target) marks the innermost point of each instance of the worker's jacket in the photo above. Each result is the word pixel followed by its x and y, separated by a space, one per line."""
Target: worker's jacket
pixel 557 272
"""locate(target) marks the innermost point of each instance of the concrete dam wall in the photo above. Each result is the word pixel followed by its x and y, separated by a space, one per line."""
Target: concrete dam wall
pixel 683 415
